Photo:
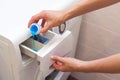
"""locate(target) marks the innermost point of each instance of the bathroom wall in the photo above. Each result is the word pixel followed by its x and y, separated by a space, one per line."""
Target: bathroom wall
pixel 99 37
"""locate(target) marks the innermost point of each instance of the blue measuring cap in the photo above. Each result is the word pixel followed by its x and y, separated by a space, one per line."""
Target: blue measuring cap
pixel 34 29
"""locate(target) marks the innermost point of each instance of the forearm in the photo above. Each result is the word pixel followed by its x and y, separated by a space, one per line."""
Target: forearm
pixel 106 65
pixel 85 6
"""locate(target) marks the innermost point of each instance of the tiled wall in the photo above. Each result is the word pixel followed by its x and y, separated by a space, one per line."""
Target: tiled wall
pixel 99 37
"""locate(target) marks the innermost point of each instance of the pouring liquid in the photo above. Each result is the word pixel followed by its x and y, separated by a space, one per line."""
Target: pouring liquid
pixel 33 43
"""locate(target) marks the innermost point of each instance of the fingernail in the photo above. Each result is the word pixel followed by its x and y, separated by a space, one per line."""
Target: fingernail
pixel 59 63
pixel 41 34
pixel 51 56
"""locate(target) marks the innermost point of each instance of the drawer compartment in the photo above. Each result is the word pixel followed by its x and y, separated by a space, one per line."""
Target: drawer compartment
pixel 57 44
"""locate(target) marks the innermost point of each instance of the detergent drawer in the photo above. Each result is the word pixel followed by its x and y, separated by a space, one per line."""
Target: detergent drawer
pixel 52 44
pixel 33 45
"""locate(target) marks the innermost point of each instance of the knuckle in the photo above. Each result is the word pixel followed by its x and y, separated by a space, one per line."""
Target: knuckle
pixel 33 17
pixel 44 11
pixel 62 69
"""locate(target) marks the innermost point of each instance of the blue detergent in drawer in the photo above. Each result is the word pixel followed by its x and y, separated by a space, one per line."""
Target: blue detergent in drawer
pixel 41 39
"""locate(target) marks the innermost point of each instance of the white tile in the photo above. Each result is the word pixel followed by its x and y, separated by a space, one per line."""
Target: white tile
pixel 88 53
pixel 99 38
pixel 114 76
pixel 91 76
pixel 108 18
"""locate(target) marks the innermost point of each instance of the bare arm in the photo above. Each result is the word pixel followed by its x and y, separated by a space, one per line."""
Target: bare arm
pixel 105 65
pixel 85 6
pixel 55 18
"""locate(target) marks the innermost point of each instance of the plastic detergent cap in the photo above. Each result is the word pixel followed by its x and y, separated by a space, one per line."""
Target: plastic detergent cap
pixel 34 29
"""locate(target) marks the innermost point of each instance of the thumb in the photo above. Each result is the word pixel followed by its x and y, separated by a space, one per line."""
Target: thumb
pixel 35 18
pixel 57 58
pixel 45 28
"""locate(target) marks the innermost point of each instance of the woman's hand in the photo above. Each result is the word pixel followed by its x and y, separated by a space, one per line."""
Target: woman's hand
pixel 49 19
pixel 67 64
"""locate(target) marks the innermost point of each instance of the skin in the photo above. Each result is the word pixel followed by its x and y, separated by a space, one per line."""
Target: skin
pixel 51 19
pixel 109 64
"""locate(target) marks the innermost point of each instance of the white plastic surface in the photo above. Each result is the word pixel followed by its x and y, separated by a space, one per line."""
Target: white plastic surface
pixel 59 45
pixel 14 17
pixel 15 14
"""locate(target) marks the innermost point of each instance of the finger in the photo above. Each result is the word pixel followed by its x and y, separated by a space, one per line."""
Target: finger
pixel 43 22
pixel 35 19
pixel 32 20
pixel 45 28
pixel 58 59
pixel 56 66
pixel 59 63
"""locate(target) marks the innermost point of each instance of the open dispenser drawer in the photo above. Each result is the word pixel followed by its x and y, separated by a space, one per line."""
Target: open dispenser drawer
pixel 42 47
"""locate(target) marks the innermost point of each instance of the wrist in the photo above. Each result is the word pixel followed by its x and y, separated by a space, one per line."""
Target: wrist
pixel 66 15
pixel 86 66
pixel 83 67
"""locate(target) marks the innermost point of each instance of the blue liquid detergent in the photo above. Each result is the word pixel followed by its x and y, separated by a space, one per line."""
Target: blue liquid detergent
pixel 33 44
pixel 34 29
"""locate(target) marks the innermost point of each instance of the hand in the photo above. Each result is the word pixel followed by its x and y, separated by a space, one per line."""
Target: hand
pixel 49 19
pixel 67 64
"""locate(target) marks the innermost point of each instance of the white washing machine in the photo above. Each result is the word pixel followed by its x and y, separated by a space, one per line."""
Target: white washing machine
pixel 72 25
pixel 18 60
